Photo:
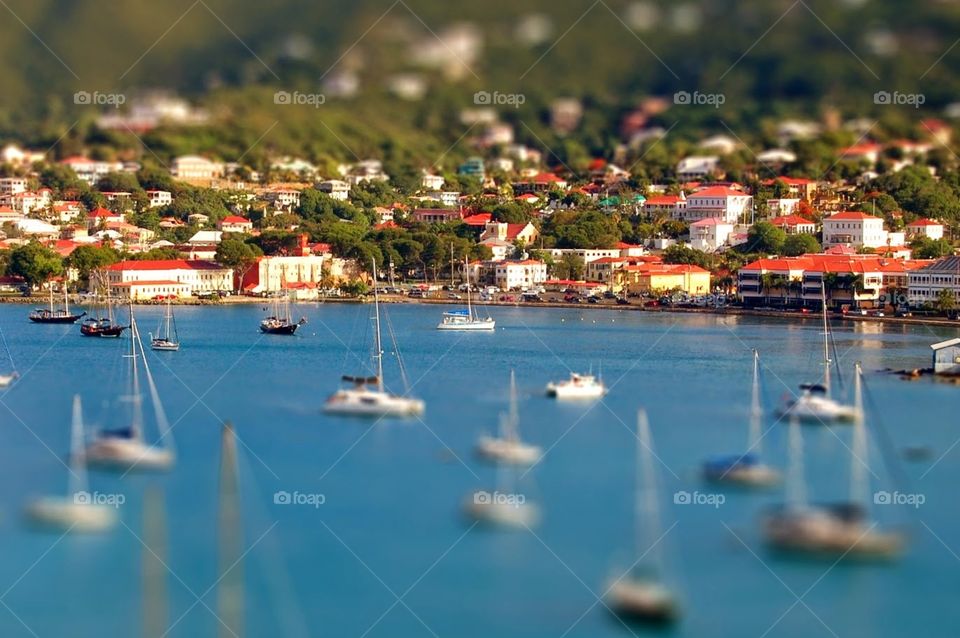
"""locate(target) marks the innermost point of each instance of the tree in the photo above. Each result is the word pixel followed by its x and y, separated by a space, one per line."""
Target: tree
pixel 239 255
pixel 570 266
pixel 946 302
pixel 764 237
pixel 800 244
pixel 926 248
pixel 35 263
pixel 683 254
pixel 86 259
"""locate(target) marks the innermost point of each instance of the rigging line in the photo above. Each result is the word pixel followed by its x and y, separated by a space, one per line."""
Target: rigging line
pixel 885 443
pixel 6 349
pixel 836 361
pixel 396 349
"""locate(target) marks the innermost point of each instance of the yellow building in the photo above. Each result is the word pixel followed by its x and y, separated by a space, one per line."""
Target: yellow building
pixel 647 278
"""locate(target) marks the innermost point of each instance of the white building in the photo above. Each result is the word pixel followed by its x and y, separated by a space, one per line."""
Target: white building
pixel 925 285
pixel 90 170
pixel 157 198
pixel 709 234
pixel 697 167
pixel 718 202
pixel 447 198
pixel 925 228
pixel 782 207
pixel 149 278
pixel 855 229
pixel 273 274
pixel 11 186
pixel 337 189
pixel 195 169
pixel 283 198
pixel 431 182
pixel 511 275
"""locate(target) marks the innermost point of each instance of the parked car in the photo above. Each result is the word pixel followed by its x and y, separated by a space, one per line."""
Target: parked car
pixel 623 301
pixel 453 295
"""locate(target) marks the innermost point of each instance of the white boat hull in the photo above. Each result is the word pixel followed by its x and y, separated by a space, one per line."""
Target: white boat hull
pixel 498 514
pixel 641 600
pixel 128 454
pixel 372 403
pixel 65 514
pixel 165 346
pixel 810 408
pixel 818 533
pixel 567 391
pixel 6 380
pixel 487 325
pixel 506 451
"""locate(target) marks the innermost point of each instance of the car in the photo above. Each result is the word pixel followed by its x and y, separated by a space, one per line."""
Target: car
pixel 593 299
pixel 623 301
pixel 453 295
pixel 653 303
pixel 609 295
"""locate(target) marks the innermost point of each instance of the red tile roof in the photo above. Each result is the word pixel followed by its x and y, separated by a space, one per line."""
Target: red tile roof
pixel 924 222
pixel 165 264
pixel 790 220
pixel 851 215
pixel 718 191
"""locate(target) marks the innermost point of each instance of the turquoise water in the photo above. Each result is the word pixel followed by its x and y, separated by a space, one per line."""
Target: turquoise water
pixel 390 525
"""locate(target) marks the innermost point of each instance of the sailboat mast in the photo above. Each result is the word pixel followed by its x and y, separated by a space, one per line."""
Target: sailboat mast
pixel 230 593
pixel 859 486
pixel 50 285
pixel 826 336
pixel 646 516
pixel 379 347
pixel 466 270
pixel 796 488
pixel 137 421
pixel 78 467
pixel 513 417
pixel 755 412
pixel 66 297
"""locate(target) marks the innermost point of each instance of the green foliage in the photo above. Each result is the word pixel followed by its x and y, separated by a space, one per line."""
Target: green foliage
pixel 800 244
pixel 764 237
pixel 156 254
pixel 589 229
pixel 235 253
pixel 683 254
pixel 570 266
pixel 35 263
pixel 87 259
pixel 926 248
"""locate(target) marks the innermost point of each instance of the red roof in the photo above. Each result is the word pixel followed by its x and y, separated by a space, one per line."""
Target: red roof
pixel 103 212
pixel 235 219
pixel 165 264
pixel 718 191
pixel 663 200
pixel 924 222
pixel 790 220
pixel 478 219
pixel 837 263
pixel 514 229
pixel 147 282
pixel 851 215
pixel 789 181
pixel 861 149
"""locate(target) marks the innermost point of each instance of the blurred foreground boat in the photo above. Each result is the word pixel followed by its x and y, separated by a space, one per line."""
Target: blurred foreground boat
pixel 508 447
pixel 124 448
pixel 77 511
pixel 639 594
pixel 835 530
pixel 7 379
pixel 747 469
pixel 578 386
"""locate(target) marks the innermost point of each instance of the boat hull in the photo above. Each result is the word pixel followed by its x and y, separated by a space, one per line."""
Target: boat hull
pixel 111 332
pixel 817 409
pixel 288 329
pixel 642 602
pixel 503 451
pixel 55 318
pixel 560 391
pixel 370 403
pixel 504 515
pixel 164 345
pixel 471 326
pixel 821 533
pixel 67 515
pixel 118 454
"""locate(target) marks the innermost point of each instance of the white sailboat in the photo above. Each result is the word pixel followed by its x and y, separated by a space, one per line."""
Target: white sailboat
pixel 167 338
pixel 640 594
pixel 125 448
pixel 367 395
pixel 508 447
pixel 837 530
pixel 747 469
pixel 504 507
pixel 76 512
pixel 815 404
pixel 466 319
pixel 578 386
pixel 7 379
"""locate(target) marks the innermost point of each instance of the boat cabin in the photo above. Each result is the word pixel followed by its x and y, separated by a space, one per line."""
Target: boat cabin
pixel 946 357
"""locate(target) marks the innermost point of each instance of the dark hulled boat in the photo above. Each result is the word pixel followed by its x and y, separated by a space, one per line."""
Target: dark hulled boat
pixel 280 322
pixel 55 315
pixel 102 327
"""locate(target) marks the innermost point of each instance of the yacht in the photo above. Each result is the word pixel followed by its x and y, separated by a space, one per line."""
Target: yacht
pixel 508 447
pixel 55 315
pixel 280 322
pixel 367 395
pixel 167 338
pixel 466 319
pixel 578 386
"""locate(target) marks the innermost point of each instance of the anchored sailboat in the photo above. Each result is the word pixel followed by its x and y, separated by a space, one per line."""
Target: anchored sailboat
pixel 55 315
pixel 102 326
pixel 640 593
pixel 167 337
pixel 280 322
pixel 367 395
pixel 125 448
pixel 815 404
pixel 745 469
pixel 76 512
pixel 508 447
pixel 466 319
pixel 835 530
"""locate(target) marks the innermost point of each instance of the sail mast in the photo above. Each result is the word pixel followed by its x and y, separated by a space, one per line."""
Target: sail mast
pixel 466 270
pixel 137 420
pixel 378 355
pixel 513 418
pixel 230 594
pixel 858 478
pixel 78 468
pixel 826 335
pixel 646 493
pixel 796 489
pixel 756 413
pixel 66 297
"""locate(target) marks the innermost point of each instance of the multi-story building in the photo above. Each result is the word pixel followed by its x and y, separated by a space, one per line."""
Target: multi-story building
pixel 657 278
pixel 855 229
pixel 157 198
pixel 519 274
pixel 147 279
pixel 276 273
pixel 718 202
pixel 235 224
pixel 671 206
pixel 90 170
pixel 335 188
pixel 926 285
pixel 925 228
pixel 710 234
pixel 196 170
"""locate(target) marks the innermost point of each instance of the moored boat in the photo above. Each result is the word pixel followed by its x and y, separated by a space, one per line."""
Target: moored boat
pixel 55 315
pixel 578 386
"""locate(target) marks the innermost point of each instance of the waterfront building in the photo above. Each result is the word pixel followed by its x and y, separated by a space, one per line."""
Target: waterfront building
pixel 926 285
pixel 145 279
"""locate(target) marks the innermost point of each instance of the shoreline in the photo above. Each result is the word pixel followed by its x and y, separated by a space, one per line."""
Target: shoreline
pixel 39 301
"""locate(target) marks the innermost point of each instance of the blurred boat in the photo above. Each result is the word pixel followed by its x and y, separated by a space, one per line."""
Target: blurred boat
pixel 230 547
pixel 7 379
pixel 508 447
pixel 167 338
pixel 76 512
pixel 466 319
pixel 747 469
pixel 55 315
pixel 640 595
pixel 815 403
pixel 578 386
pixel 367 396
pixel 125 448
pixel 835 530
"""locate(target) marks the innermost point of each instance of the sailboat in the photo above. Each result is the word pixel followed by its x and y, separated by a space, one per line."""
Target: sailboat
pixel 55 315
pixel 836 530
pixel 745 469
pixel 367 395
pixel 125 448
pixel 280 322
pixel 640 594
pixel 8 378
pixel 507 447
pixel 815 405
pixel 167 337
pixel 466 319
pixel 76 512
pixel 102 326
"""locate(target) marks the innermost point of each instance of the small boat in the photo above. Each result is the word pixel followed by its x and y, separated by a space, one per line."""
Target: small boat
pixel 76 512
pixel 102 326
pixel 507 447
pixel 124 449
pixel 815 404
pixel 747 469
pixel 639 594
pixel 833 531
pixel 366 396
pixel 501 509
pixel 167 338
pixel 578 386
pixel 6 380
pixel 55 315
pixel 466 319
pixel 280 322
